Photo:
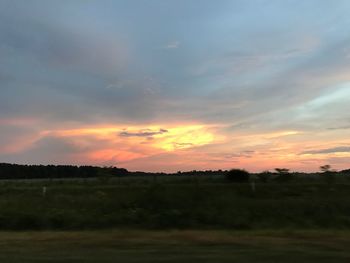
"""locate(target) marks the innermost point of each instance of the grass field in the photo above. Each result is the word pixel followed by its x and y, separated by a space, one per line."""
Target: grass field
pixel 134 203
pixel 176 246
pixel 174 220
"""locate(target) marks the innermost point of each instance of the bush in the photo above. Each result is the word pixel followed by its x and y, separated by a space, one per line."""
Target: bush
pixel 237 176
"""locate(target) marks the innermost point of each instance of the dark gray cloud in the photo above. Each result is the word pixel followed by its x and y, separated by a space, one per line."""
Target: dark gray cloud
pixel 5 78
pixel 75 58
pixel 346 127
pixel 56 149
pixel 37 31
pixel 341 149
pixel 142 133
pixel 343 124
pixel 57 145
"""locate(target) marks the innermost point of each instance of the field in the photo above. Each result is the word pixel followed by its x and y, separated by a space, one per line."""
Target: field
pixel 174 219
pixel 175 246
pixel 172 203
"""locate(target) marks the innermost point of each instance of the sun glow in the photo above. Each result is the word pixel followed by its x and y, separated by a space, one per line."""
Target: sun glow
pixel 184 137
pixel 164 137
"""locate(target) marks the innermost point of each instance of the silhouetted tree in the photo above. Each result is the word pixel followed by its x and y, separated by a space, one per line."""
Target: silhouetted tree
pixel 16 171
pixel 264 176
pixel 237 176
pixel 346 172
pixel 328 174
pixel 283 175
pixel 325 168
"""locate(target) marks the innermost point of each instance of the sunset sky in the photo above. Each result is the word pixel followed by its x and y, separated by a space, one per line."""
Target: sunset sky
pixel 168 85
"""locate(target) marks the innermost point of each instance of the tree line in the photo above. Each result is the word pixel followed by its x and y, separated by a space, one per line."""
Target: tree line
pixel 17 171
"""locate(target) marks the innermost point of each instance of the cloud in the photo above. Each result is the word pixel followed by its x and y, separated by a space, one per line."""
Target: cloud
pixel 143 133
pixel 55 46
pixel 74 65
pixel 340 149
pixel 46 150
pixel 346 127
pixel 57 145
pixel 342 125
pixel 5 78
pixel 17 135
pixel 172 45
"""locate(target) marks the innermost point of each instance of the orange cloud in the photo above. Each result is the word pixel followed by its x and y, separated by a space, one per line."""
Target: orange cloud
pixel 169 139
pixel 119 143
pixel 188 146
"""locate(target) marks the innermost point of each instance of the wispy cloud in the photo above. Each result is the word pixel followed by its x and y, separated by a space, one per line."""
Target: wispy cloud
pixel 142 133
pixel 343 127
pixel 172 45
pixel 340 149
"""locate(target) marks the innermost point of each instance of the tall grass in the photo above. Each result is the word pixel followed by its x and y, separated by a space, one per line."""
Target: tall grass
pixel 167 204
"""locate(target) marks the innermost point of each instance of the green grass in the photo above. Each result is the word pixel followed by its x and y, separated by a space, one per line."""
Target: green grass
pixel 135 220
pixel 175 246
pixel 77 205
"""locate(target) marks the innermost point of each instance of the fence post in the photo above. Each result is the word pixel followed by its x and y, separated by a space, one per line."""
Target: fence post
pixel 253 185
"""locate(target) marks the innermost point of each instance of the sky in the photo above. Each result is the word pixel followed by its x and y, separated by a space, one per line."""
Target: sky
pixel 169 85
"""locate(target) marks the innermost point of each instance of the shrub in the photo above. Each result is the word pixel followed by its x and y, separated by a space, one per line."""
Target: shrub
pixel 237 176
